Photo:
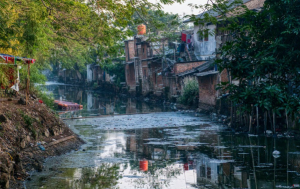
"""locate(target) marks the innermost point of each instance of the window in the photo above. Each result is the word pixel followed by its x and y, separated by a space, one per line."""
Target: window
pixel 200 35
pixel 206 35
pixel 203 35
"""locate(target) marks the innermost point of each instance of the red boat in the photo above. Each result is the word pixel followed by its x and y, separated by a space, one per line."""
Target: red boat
pixel 64 105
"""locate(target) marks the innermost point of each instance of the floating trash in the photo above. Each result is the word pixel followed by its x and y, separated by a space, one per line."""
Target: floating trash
pixel 276 154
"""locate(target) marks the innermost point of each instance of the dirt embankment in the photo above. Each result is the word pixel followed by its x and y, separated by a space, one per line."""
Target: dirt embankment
pixel 29 134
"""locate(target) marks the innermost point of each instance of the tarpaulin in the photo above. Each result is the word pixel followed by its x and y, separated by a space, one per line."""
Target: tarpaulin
pixel 11 59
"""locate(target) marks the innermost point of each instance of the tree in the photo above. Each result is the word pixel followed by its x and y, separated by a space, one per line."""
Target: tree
pixel 66 32
pixel 263 57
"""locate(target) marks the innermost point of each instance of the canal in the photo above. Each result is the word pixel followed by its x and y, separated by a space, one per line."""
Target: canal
pixel 138 145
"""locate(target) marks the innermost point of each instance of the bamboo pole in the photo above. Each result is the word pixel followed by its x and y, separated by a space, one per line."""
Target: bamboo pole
pixel 274 125
pixel 28 83
pixel 265 121
pixel 287 120
pixel 253 164
pixel 269 114
pixel 231 114
pixel 250 122
pixel 287 163
pixel 257 121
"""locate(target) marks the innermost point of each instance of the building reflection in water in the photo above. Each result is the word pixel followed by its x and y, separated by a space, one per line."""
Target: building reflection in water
pixel 225 161
pixel 199 156
pixel 96 103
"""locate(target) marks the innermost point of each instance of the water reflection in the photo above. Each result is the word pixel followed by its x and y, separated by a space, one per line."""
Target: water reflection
pixel 182 151
pixel 199 156
pixel 97 103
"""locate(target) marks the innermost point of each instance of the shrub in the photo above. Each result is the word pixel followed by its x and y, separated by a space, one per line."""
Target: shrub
pixel 45 96
pixel 29 123
pixel 190 91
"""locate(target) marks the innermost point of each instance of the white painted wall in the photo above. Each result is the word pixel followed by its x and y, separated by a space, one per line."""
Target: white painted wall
pixel 204 50
pixel 89 73
pixel 89 101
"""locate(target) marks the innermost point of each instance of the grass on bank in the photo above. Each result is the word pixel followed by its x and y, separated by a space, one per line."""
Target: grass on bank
pixel 190 91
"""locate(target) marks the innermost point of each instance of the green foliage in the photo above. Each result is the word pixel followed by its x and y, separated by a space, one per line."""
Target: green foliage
pixel 62 32
pixel 189 92
pixel 72 33
pixel 29 121
pixel 117 69
pixel 156 21
pixel 45 96
pixel 263 57
pixel 47 99
pixel 36 77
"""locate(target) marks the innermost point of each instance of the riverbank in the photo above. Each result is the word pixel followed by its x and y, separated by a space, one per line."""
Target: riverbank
pixel 29 134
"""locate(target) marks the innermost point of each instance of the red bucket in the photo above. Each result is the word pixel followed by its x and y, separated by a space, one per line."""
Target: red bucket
pixel 144 165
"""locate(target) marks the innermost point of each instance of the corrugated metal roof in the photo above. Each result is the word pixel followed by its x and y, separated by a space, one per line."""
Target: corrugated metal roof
pixel 211 12
pixel 212 72
pixel 200 68
pixel 205 66
pixel 188 72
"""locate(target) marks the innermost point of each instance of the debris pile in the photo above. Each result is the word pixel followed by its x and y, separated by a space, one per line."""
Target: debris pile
pixel 28 134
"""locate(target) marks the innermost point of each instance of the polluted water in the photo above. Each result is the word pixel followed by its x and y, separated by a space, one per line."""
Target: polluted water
pixel 131 144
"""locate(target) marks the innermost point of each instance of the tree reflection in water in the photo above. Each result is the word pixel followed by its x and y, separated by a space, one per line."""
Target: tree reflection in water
pixel 104 176
pixel 158 177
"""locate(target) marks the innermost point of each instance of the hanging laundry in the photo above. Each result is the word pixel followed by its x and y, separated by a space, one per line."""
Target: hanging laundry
pixel 178 48
pixel 188 38
pixel 182 48
pixel 183 37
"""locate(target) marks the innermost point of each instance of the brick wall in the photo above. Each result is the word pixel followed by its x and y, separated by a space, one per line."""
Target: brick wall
pixel 182 67
pixel 156 80
pixel 129 50
pixel 207 92
pixel 143 51
pixel 224 76
pixel 130 76
pixel 172 84
pixel 145 78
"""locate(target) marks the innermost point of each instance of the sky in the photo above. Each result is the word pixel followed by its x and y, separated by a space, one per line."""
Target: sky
pixel 181 9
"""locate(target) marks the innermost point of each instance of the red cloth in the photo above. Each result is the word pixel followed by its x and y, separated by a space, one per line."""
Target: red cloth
pixel 186 166
pixel 30 61
pixel 183 37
